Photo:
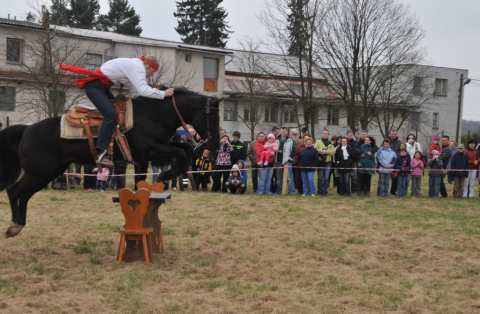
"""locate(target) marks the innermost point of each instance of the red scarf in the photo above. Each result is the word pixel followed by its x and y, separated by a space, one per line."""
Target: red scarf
pixel 97 75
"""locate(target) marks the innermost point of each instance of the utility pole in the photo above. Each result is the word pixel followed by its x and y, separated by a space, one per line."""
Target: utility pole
pixel 457 136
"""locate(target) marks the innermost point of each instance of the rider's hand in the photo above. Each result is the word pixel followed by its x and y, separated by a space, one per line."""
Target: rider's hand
pixel 169 92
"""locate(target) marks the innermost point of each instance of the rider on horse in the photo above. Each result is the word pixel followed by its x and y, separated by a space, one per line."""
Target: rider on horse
pixel 133 74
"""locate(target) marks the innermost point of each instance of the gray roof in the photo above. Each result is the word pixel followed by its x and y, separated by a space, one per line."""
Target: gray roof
pixel 20 23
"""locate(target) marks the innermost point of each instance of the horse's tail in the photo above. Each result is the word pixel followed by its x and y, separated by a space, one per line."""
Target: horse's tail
pixel 9 160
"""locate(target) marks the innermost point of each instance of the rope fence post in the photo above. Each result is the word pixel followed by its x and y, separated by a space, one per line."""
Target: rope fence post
pixel 285 179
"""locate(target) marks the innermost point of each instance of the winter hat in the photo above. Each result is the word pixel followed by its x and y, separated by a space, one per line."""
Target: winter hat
pixel 243 162
pixel 235 167
pixel 349 131
pixel 436 138
pixel 461 146
pixel 270 136
pixel 435 152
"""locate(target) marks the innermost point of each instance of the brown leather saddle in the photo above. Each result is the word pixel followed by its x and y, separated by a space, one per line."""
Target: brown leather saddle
pixel 89 119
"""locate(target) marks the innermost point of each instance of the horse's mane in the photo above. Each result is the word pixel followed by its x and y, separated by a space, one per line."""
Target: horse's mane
pixel 181 90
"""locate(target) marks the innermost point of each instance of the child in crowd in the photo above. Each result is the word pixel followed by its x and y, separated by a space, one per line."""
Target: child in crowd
pixel 235 183
pixel 203 164
pixel 243 172
pixel 386 159
pixel 435 146
pixel 102 178
pixel 459 161
pixel 269 146
pixel 308 157
pixel 436 173
pixel 417 167
pixel 403 164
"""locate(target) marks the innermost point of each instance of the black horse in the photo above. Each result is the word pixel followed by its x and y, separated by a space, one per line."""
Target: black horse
pixel 43 155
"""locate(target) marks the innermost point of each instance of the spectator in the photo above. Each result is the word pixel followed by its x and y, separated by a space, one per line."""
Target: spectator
pixel 222 132
pixel 284 157
pixel 435 174
pixel 336 178
pixel 412 145
pixel 223 162
pixel 473 157
pixel 358 152
pixel 343 158
pixel 235 183
pixel 367 164
pixel 454 149
pixel 459 161
pixel 298 150
pixel 239 149
pixel 333 141
pixel 386 159
pixel 353 177
pixel 434 146
pixel 325 151
pixel 304 132
pixel 270 146
pixel 403 165
pixel 243 173
pixel 252 156
pixel 102 177
pixel 203 164
pixel 297 176
pixel 308 157
pixel 357 136
pixel 273 185
pixel 395 146
pixel 445 156
pixel 266 173
pixel 417 167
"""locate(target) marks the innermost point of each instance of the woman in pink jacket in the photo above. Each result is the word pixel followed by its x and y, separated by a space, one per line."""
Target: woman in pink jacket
pixel 417 167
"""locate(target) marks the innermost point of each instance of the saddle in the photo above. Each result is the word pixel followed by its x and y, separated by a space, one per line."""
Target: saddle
pixel 92 118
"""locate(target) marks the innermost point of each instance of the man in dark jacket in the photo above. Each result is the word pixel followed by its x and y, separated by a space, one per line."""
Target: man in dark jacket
pixel 252 156
pixel 239 149
pixel 353 144
pixel 459 161
pixel 359 155
pixel 395 146
pixel 445 157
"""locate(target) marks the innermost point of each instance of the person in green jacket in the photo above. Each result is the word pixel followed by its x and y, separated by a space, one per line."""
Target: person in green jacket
pixel 325 150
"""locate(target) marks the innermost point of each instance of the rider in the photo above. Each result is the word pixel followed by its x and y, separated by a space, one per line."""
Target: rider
pixel 133 74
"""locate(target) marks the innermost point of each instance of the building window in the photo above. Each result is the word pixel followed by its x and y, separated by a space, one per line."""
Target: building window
pixel 440 87
pixel 271 113
pixel 333 116
pixel 435 120
pixel 14 50
pixel 288 114
pixel 415 121
pixel 229 110
pixel 313 113
pixel 92 62
pixel 248 112
pixel 56 103
pixel 210 74
pixel 188 58
pixel 7 98
pixel 417 86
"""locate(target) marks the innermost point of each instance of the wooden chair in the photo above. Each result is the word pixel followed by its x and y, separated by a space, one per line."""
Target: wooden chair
pixel 134 207
pixel 156 187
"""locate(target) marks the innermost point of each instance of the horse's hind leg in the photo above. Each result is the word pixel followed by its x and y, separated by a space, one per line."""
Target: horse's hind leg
pixel 19 195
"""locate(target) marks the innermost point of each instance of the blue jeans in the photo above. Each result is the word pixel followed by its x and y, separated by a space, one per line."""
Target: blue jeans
pixel 402 185
pixel 383 183
pixel 323 177
pixel 102 183
pixel 265 180
pixel 434 186
pixel 290 183
pixel 308 182
pixel 344 184
pixel 100 95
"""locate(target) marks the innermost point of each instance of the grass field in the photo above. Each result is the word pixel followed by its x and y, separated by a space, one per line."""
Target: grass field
pixel 246 254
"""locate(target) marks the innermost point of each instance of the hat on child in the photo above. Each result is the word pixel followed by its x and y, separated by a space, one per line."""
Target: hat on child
pixel 436 138
pixel 349 131
pixel 206 151
pixel 435 152
pixel 461 146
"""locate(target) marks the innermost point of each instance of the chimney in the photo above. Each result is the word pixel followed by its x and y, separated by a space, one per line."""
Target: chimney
pixel 45 19
pixel 8 16
pixel 15 18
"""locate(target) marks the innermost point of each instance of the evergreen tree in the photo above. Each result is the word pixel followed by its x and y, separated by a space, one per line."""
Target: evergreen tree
pixel 59 12
pixel 202 22
pixel 120 19
pixel 83 13
pixel 294 26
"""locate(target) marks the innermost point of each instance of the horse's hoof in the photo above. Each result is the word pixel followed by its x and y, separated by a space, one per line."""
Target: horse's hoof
pixel 13 230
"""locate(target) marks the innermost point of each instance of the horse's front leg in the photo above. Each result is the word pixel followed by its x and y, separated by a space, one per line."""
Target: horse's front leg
pixel 182 151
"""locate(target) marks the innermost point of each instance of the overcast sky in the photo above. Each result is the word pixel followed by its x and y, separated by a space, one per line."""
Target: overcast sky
pixel 452 31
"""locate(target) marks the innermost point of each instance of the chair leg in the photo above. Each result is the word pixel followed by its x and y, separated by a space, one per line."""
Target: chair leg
pixel 145 249
pixel 160 239
pixel 150 250
pixel 120 249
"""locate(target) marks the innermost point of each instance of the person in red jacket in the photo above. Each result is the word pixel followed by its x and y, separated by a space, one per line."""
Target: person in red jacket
pixel 266 172
pixel 473 158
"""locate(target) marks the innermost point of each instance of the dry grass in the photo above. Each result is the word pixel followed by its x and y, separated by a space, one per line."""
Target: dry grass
pixel 246 254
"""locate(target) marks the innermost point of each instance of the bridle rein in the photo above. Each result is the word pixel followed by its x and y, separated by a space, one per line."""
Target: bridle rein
pixel 184 125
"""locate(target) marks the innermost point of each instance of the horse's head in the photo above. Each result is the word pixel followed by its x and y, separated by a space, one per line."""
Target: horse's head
pixel 207 123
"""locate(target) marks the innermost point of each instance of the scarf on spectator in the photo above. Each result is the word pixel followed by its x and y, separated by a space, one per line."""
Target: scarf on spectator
pixel 345 153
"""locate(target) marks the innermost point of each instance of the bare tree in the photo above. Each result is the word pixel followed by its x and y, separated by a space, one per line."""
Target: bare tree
pixel 306 89
pixel 46 90
pixel 367 49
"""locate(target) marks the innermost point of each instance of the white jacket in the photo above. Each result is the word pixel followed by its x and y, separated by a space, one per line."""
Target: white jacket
pixel 411 149
pixel 287 151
